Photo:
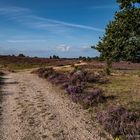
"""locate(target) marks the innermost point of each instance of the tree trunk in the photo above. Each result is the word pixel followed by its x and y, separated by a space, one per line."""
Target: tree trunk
pixel 108 66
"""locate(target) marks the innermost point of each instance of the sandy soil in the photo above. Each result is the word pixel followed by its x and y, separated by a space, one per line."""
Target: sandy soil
pixel 32 109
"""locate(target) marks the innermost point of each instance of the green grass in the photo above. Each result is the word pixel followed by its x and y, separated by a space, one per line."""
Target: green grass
pixel 125 88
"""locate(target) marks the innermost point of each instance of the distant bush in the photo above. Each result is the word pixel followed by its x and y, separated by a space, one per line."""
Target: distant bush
pixel 120 123
pixel 54 57
pixel 21 55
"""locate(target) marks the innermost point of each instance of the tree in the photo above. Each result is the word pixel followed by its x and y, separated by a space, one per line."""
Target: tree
pixel 21 55
pixel 55 57
pixel 121 40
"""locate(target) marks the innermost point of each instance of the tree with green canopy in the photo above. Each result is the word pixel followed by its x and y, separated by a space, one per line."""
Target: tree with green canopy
pixel 121 40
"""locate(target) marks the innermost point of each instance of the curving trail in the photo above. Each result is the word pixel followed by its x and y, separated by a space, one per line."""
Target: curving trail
pixel 32 109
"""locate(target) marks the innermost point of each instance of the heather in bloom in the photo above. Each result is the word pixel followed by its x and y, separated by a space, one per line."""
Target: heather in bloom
pixel 120 122
pixel 94 97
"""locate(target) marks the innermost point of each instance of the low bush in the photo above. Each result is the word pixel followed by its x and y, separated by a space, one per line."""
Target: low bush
pixel 76 77
pixel 77 98
pixel 120 123
pixel 97 78
pixel 64 85
pixel 47 72
pixel 58 78
pixel 92 78
pixel 93 98
pixel 74 84
pixel 52 77
pixel 44 72
pixel 74 89
pixel 2 73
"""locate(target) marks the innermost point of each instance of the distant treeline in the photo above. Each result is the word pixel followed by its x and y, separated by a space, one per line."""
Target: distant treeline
pixel 54 57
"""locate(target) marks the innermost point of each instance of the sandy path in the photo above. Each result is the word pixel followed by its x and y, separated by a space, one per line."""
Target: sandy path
pixel 34 110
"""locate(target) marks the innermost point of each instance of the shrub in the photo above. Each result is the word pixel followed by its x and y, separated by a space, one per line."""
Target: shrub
pixel 65 85
pixel 76 77
pixel 58 78
pixel 77 98
pixel 97 78
pixel 75 85
pixel 93 98
pixel 92 78
pixel 74 89
pixel 52 77
pixel 120 122
pixel 21 55
pixel 2 73
pixel 44 72
pixel 47 72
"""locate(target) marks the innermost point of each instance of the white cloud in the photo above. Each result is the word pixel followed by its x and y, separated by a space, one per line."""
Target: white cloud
pixel 63 48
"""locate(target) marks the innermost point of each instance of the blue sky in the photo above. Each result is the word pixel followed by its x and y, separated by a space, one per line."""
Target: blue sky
pixel 45 27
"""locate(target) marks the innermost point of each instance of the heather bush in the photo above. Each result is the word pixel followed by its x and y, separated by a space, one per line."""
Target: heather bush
pixel 76 93
pixel 75 85
pixel 48 72
pixel 74 89
pixel 98 78
pixel 76 77
pixel 93 98
pixel 64 85
pixel 77 98
pixel 92 78
pixel 2 73
pixel 58 78
pixel 120 123
pixel 44 72
pixel 52 77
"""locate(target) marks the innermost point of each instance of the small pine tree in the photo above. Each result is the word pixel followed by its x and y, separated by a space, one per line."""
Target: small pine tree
pixel 122 36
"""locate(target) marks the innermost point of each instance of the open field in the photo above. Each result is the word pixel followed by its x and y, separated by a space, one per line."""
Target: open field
pixel 17 63
pixel 62 105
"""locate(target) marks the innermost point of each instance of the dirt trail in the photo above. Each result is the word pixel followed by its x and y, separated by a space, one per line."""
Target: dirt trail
pixel 34 110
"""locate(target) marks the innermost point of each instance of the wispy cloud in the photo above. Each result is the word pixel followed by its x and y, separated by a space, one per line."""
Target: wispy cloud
pixel 25 16
pixel 13 11
pixel 45 23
